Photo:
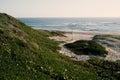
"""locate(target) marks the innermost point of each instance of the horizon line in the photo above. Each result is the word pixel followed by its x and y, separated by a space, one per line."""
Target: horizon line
pixel 67 17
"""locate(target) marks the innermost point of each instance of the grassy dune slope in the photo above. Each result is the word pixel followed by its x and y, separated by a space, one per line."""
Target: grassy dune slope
pixel 28 54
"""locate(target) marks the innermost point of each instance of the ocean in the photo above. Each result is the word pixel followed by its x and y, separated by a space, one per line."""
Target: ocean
pixel 75 24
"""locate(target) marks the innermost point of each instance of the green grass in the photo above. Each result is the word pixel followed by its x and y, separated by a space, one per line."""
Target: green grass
pixel 28 54
pixel 84 47
pixel 106 36
pixel 106 69
pixel 57 33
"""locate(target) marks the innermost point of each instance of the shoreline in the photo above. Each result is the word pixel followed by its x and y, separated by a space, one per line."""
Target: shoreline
pixel 81 32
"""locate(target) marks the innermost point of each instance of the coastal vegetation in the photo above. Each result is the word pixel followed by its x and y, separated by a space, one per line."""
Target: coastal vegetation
pixel 106 36
pixel 57 33
pixel 87 47
pixel 28 54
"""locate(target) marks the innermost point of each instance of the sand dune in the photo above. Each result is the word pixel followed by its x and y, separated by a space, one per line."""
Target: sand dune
pixel 113 54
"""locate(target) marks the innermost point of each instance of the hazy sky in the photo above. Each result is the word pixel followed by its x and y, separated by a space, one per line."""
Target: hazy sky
pixel 61 8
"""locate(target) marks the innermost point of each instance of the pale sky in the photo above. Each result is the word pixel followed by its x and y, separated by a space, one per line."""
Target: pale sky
pixel 61 8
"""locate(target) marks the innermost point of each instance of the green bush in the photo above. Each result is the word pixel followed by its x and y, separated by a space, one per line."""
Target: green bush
pixel 84 47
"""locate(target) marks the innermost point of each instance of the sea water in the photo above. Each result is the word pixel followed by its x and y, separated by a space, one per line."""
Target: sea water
pixel 75 24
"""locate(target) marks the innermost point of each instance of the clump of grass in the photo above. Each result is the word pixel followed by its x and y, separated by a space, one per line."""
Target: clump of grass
pixel 57 33
pixel 84 47
pixel 106 36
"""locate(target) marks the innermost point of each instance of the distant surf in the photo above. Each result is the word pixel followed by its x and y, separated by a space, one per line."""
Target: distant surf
pixel 75 24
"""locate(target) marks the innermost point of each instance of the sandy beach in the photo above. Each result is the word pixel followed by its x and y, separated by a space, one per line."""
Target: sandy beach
pixel 113 54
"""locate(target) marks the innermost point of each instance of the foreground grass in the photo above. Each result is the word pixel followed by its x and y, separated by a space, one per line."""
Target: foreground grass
pixel 27 54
